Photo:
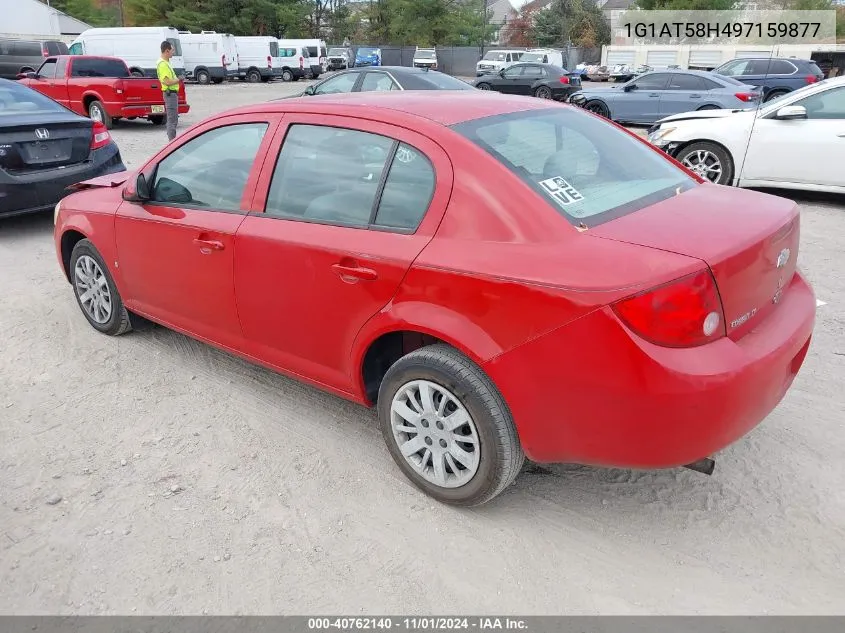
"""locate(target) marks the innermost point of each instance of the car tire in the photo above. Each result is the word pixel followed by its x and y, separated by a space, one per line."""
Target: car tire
pixel 103 309
pixel 490 458
pixel 203 77
pixel 543 92
pixel 97 112
pixel 287 75
pixel 484 86
pixel 706 154
pixel 253 76
pixel 597 107
pixel 774 94
pixel 157 119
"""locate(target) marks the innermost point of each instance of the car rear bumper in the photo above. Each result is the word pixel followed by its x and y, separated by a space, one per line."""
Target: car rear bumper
pixel 592 392
pixel 145 110
pixel 37 191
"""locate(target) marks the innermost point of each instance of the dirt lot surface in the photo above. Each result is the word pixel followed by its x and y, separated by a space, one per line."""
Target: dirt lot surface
pixel 151 474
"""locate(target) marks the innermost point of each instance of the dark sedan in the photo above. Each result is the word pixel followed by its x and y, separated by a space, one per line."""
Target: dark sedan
pixel 384 78
pixel 44 148
pixel 534 80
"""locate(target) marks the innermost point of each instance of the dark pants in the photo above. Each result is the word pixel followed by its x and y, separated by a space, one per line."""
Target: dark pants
pixel 171 108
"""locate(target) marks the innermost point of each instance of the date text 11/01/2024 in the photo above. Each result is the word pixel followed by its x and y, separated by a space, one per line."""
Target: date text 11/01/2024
pixel 416 624
pixel 678 30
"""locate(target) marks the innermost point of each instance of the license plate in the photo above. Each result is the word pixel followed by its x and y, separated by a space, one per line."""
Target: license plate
pixel 158 109
pixel 49 152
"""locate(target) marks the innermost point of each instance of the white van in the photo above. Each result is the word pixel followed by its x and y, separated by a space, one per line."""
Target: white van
pixel 317 50
pixel 543 56
pixel 495 60
pixel 209 56
pixel 258 58
pixel 297 61
pixel 138 46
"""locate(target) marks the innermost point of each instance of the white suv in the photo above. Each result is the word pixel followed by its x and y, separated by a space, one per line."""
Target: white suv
pixel 496 60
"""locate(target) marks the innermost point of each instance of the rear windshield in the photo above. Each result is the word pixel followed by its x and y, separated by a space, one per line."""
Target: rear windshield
pixel 92 67
pixel 312 51
pixel 17 99
pixel 176 43
pixel 432 80
pixel 814 68
pixel 337 51
pixel 585 168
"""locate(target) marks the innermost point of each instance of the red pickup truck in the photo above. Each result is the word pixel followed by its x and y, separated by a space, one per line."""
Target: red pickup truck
pixel 101 88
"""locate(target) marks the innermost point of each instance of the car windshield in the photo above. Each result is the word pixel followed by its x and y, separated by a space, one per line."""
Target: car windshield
pixel 425 55
pixel 369 51
pixel 336 51
pixel 496 56
pixel 585 168
pixel 18 99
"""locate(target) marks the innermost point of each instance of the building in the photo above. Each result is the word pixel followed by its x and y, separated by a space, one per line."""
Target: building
pixel 35 20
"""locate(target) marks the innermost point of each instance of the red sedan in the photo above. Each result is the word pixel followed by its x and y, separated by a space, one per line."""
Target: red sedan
pixel 501 277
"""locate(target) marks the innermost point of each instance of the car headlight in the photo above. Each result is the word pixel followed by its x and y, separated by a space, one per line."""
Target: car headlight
pixel 56 212
pixel 659 135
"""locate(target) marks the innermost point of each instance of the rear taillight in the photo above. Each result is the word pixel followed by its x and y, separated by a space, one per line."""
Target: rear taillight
pixel 564 80
pixel 44 52
pixel 686 312
pixel 811 79
pixel 747 96
pixel 269 62
pixel 100 136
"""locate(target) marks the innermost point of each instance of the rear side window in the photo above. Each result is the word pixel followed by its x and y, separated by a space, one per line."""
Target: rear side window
pixel 227 152
pixel 312 51
pixel 27 49
pixel 287 52
pixel 57 48
pixel 433 80
pixel 781 67
pixel 93 67
pixel 377 82
pixel 407 190
pixel 586 169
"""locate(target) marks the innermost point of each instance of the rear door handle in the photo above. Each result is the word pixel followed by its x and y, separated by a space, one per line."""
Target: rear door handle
pixel 209 245
pixel 353 272
pixel 695 96
pixel 653 95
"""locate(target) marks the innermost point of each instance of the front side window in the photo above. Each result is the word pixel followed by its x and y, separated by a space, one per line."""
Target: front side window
pixel 654 81
pixel 829 104
pixel 377 82
pixel 334 176
pixel 176 43
pixel 533 72
pixel 48 69
pixel 210 170
pixel 76 49
pixel 513 72
pixel 495 56
pixel 338 84
pixel 586 169
pixel 680 81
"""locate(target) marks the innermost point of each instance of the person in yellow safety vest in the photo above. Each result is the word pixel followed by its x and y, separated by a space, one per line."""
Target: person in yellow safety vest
pixel 170 87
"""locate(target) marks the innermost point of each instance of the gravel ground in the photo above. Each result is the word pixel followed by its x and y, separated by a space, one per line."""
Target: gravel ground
pixel 152 474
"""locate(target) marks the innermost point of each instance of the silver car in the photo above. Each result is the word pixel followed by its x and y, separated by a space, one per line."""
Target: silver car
pixel 655 95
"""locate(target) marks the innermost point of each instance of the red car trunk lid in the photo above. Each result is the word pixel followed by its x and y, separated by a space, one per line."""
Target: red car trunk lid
pixel 749 240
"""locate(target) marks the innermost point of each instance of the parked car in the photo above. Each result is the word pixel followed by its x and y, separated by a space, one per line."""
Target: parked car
pixel 297 63
pixel 340 58
pixel 774 75
pixel 425 58
pixel 258 58
pixel 24 56
pixel 796 141
pixel 101 88
pixel 626 72
pixel 317 51
pixel 655 95
pixel 368 56
pixel 454 259
pixel 385 78
pixel 138 46
pixel 496 60
pixel 209 57
pixel 44 148
pixel 534 80
pixel 544 56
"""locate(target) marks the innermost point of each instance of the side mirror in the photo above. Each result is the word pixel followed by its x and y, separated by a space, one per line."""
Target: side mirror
pixel 27 76
pixel 309 91
pixel 629 87
pixel 791 113
pixel 139 191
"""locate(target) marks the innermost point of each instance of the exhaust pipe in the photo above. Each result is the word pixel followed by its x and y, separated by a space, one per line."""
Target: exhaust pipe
pixel 704 465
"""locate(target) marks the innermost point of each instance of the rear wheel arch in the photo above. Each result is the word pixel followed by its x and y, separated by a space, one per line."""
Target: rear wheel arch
pixel 136 72
pixel 775 92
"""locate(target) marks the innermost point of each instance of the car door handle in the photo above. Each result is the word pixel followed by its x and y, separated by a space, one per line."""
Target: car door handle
pixel 352 272
pixel 695 96
pixel 209 245
pixel 653 95
pixel 841 135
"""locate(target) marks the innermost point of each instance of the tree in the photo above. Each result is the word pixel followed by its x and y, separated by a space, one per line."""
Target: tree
pixel 686 5
pixel 520 31
pixel 579 22
pixel 88 11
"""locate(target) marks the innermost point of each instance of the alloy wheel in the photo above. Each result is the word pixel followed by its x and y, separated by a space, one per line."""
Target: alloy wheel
pixel 705 164
pixel 92 288
pixel 435 433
